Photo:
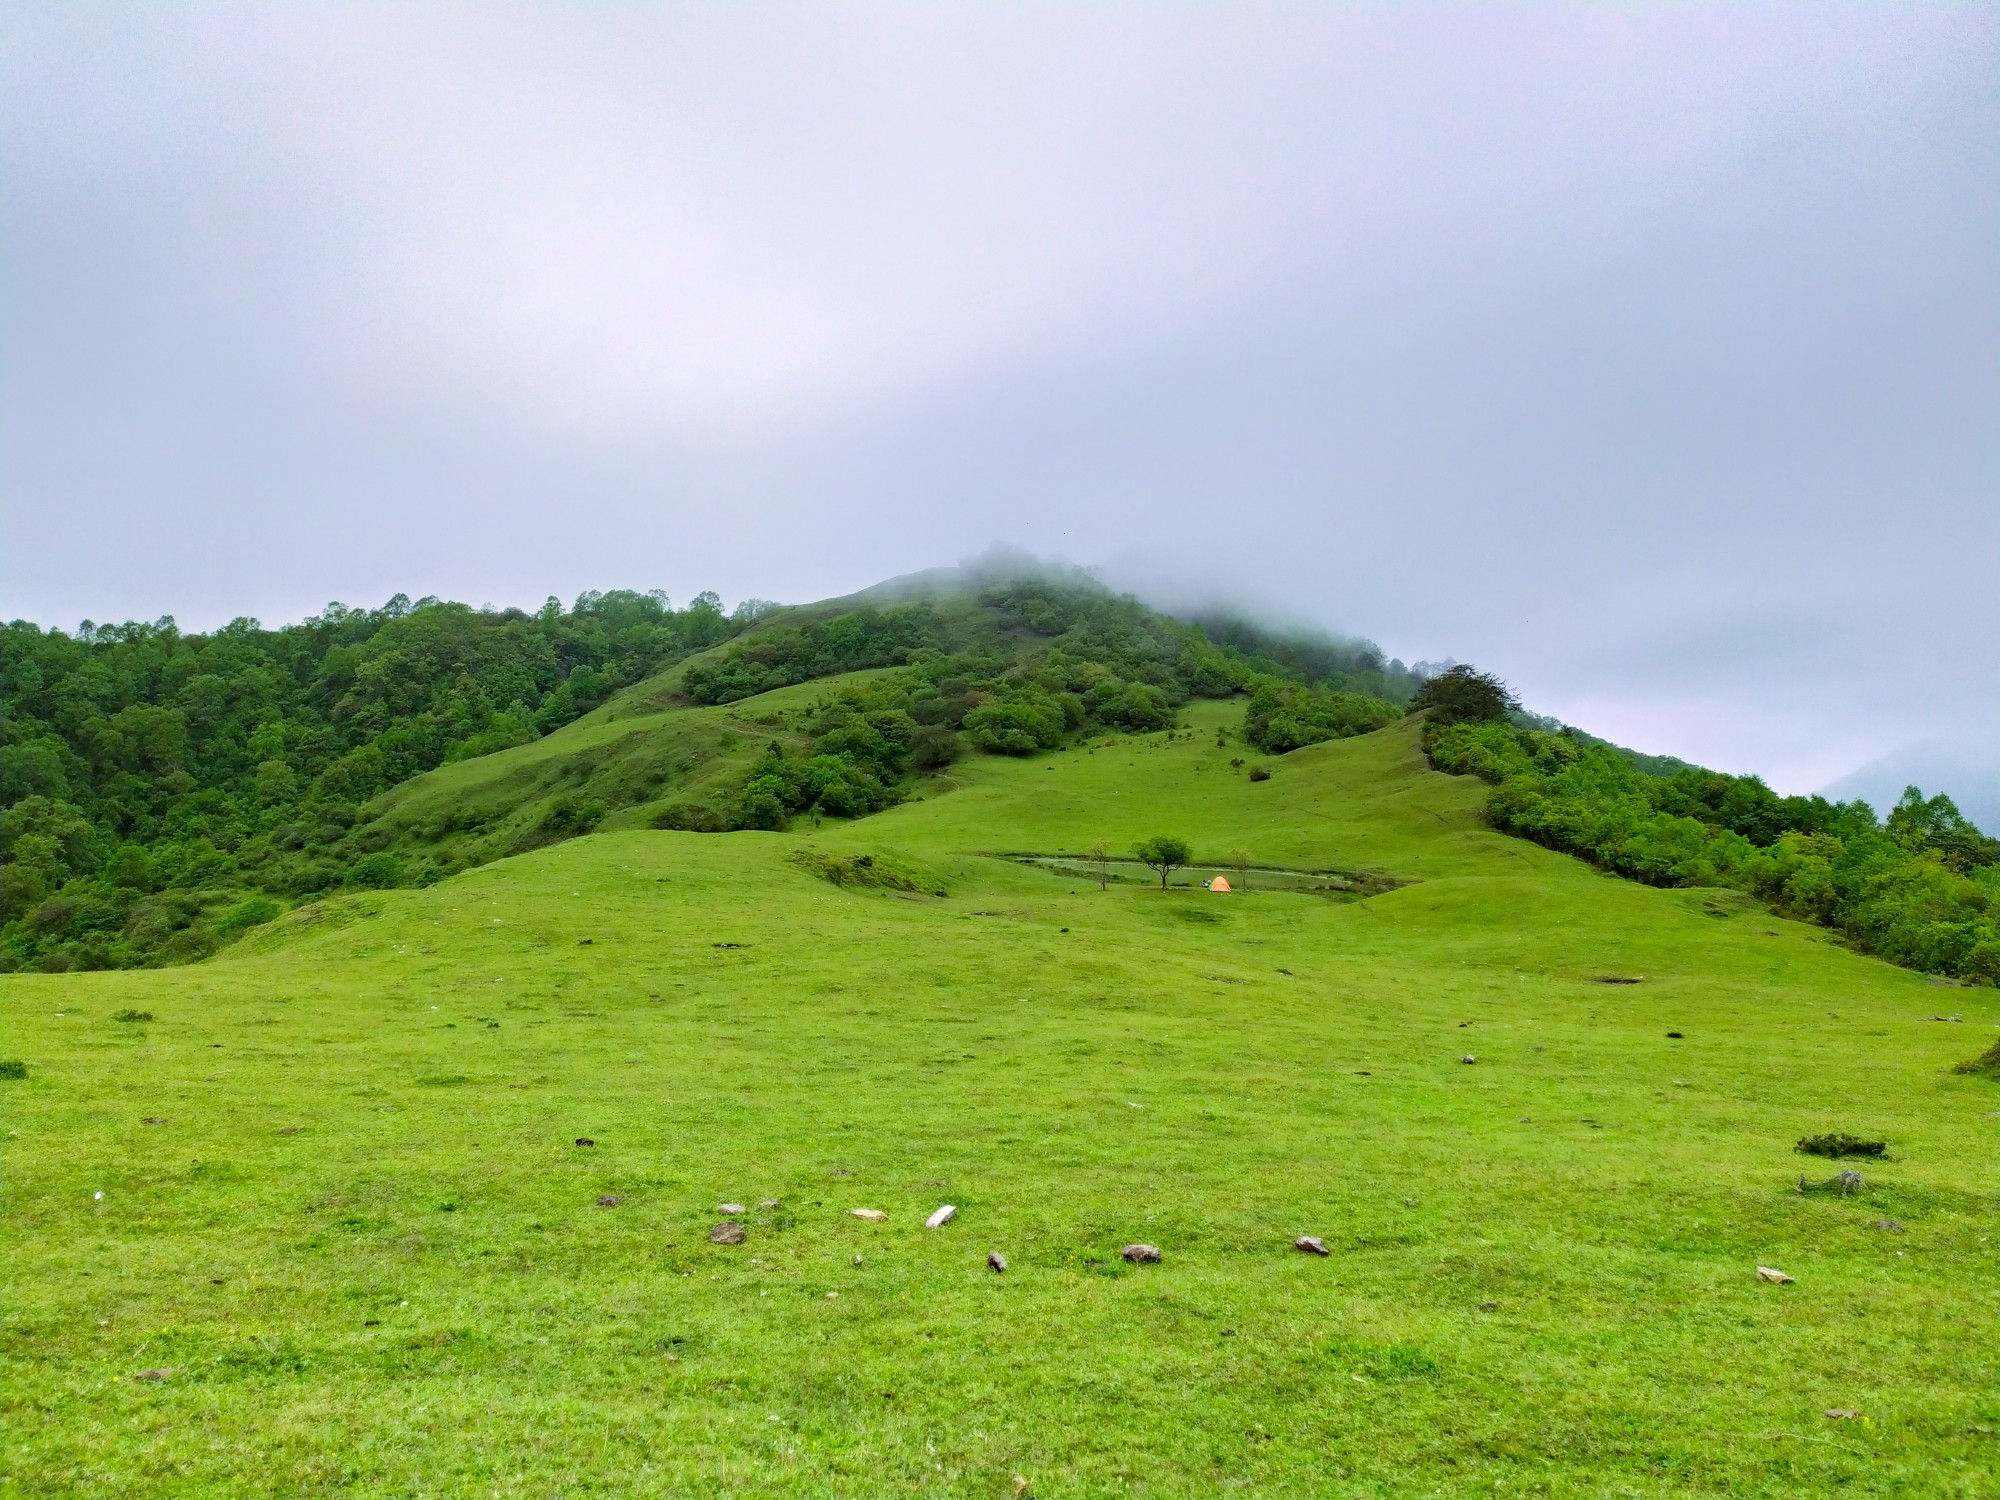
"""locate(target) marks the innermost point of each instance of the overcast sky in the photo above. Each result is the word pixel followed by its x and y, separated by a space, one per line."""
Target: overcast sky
pixel 1648 355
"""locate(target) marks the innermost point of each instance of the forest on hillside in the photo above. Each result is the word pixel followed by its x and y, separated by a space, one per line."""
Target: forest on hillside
pixel 149 775
pixel 1920 887
pixel 162 791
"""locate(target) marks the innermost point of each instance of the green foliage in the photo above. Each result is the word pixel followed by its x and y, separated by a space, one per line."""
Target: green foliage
pixel 1164 852
pixel 1986 1065
pixel 1463 695
pixel 824 647
pixel 13 1068
pixel 1922 891
pixel 1282 716
pixel 138 762
pixel 1839 1143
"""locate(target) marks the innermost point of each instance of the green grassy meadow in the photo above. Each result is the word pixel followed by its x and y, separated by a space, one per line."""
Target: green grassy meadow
pixel 1543 1269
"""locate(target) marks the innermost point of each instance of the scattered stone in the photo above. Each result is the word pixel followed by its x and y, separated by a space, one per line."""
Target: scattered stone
pixel 1772 1274
pixel 1020 1484
pixel 153 1374
pixel 1409 1203
pixel 291 1130
pixel 1141 1255
pixel 1850 1182
pixel 1489 1307
pixel 610 1200
pixel 584 1140
pixel 995 1261
pixel 872 1215
pixel 1363 1073
pixel 945 1214
pixel 1619 978
pixel 730 1208
pixel 1468 1059
pixel 728 1232
pixel 767 1202
pixel 1842 1414
pixel 153 1120
pixel 1312 1244
pixel 1959 1019
pixel 1894 1226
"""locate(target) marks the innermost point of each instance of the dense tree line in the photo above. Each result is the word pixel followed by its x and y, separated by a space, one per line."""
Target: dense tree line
pixel 159 788
pixel 1921 888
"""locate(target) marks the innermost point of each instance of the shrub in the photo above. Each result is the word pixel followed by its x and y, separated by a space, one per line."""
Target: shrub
pixel 13 1067
pixel 1986 1065
pixel 253 912
pixel 1839 1143
pixel 1259 773
pixel 133 1015
pixel 376 872
pixel 692 817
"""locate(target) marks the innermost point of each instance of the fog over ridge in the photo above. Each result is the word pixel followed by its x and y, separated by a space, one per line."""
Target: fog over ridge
pixel 1643 356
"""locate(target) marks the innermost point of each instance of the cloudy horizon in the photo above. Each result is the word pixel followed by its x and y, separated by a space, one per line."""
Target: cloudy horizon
pixel 1645 356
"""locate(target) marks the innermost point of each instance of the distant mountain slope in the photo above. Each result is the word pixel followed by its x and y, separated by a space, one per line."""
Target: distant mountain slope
pixel 1968 779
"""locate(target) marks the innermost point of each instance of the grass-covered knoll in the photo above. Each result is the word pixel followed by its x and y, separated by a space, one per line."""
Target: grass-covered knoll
pixel 344 1212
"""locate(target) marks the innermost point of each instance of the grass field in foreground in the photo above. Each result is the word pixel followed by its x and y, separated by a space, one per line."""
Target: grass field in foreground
pixel 1543 1269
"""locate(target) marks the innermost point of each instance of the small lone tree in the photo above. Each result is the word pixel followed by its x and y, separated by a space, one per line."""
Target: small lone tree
pixel 1164 853
pixel 1239 861
pixel 1100 855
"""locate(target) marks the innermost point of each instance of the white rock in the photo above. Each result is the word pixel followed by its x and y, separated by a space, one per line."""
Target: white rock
pixel 1771 1273
pixel 945 1214
pixel 730 1208
pixel 872 1215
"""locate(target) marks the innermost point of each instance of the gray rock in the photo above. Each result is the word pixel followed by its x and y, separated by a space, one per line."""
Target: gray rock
pixel 945 1214
pixel 1850 1181
pixel 1312 1244
pixel 728 1232
pixel 872 1215
pixel 1894 1226
pixel 153 1374
pixel 767 1202
pixel 1141 1255
pixel 610 1200
pixel 730 1208
pixel 1468 1059
pixel 995 1260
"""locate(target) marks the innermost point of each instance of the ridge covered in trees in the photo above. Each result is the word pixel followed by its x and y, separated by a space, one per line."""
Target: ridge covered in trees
pixel 161 790
pixel 1920 888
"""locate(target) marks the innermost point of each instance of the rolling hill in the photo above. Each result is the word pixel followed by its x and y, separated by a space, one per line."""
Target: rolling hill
pixel 413 1190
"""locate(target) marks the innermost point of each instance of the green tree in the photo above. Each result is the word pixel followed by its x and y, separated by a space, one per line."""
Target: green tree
pixel 1165 853
pixel 1464 695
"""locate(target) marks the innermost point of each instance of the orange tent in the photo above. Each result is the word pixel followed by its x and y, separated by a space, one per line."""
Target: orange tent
pixel 1218 884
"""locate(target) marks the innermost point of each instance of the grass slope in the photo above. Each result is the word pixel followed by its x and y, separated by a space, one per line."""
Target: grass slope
pixel 1543 1269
